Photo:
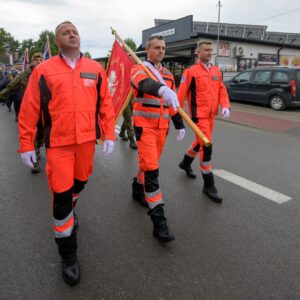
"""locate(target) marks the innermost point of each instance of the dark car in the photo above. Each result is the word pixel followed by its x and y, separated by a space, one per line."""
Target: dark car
pixel 277 86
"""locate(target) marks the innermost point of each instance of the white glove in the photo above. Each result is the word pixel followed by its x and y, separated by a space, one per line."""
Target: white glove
pixel 180 134
pixel 169 95
pixel 108 147
pixel 29 158
pixel 225 113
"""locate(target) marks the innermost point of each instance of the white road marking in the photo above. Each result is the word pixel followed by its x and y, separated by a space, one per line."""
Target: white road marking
pixel 252 186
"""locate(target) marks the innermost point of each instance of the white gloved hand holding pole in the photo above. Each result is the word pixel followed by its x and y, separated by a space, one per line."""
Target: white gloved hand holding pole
pixel 180 134
pixel 225 113
pixel 108 147
pixel 29 158
pixel 169 96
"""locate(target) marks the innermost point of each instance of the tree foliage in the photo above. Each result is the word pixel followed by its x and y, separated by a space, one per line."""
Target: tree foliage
pixel 8 44
pixel 41 41
pixel 131 44
pixel 87 54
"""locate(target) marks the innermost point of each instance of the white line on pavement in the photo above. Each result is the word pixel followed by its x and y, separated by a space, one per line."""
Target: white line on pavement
pixel 252 186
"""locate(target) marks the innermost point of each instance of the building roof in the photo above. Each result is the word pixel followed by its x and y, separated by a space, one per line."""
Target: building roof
pixel 242 31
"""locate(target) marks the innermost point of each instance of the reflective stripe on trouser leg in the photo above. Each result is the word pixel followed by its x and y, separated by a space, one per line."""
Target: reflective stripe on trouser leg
pixel 205 159
pixel 194 148
pixel 140 177
pixel 63 215
pixel 153 193
pixel 150 146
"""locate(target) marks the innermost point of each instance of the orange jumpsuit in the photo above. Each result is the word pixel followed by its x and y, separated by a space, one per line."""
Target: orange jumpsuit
pixel 151 118
pixel 76 109
pixel 204 89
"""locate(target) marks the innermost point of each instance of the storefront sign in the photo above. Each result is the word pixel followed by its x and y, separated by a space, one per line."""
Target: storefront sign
pixel 165 32
pixel 267 59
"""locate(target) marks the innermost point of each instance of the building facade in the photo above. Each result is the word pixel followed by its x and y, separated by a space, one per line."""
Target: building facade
pixel 238 48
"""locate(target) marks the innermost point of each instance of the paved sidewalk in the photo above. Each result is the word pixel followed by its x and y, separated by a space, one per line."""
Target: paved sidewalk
pixel 265 118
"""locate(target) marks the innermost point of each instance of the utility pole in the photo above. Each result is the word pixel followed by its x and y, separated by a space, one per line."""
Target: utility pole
pixel 218 37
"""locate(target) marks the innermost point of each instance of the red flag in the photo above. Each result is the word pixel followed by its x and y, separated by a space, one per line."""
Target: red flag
pixel 118 74
pixel 26 60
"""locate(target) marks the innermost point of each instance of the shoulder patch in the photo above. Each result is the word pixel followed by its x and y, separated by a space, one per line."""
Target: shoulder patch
pixel 183 79
pixel 215 78
pixel 88 75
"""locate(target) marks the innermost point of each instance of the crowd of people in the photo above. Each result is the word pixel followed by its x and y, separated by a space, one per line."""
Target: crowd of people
pixel 67 99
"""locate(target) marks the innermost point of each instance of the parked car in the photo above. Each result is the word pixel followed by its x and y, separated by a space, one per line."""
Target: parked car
pixel 278 87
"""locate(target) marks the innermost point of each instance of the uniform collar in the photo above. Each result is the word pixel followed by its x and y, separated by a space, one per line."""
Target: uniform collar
pixel 206 67
pixel 161 65
pixel 69 62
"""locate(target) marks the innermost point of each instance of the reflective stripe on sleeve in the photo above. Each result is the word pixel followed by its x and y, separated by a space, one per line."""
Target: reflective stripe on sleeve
pixel 150 115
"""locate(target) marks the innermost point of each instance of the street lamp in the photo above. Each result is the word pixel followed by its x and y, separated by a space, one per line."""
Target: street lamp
pixel 218 36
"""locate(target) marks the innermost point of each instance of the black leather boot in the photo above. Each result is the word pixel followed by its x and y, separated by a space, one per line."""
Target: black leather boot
pixel 71 272
pixel 132 143
pixel 138 193
pixel 67 248
pixel 186 165
pixel 123 136
pixel 160 228
pixel 209 188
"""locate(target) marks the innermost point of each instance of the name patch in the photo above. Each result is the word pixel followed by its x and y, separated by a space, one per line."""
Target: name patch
pixel 88 75
pixel 215 78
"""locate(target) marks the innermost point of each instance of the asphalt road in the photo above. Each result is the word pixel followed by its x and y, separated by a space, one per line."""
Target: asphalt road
pixel 246 248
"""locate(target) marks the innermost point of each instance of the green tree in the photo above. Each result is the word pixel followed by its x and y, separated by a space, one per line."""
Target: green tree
pixel 131 44
pixel 29 44
pixel 8 44
pixel 41 41
pixel 87 54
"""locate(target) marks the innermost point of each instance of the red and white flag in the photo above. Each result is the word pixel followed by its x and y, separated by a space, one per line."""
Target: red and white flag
pixel 26 60
pixel 118 74
pixel 47 50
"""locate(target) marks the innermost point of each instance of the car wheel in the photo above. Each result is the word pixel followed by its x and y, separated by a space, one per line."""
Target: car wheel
pixel 277 102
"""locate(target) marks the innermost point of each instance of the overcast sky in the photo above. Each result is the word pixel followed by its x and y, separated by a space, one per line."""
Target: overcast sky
pixel 27 18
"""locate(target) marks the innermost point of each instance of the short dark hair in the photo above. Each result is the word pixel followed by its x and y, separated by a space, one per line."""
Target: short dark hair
pixel 154 37
pixel 200 43
pixel 62 23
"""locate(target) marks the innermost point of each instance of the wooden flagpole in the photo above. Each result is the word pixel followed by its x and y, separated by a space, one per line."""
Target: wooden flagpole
pixel 183 114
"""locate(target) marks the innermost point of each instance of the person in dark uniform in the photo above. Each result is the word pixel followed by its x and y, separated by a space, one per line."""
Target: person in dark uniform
pixel 14 91
pixel 127 126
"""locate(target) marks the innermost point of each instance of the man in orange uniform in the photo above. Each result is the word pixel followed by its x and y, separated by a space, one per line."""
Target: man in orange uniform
pixel 202 84
pixel 155 101
pixel 71 93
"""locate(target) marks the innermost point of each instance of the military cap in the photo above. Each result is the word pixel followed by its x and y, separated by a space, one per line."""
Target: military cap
pixel 37 55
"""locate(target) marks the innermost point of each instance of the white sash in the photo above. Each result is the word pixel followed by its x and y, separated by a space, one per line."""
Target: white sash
pixel 155 71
